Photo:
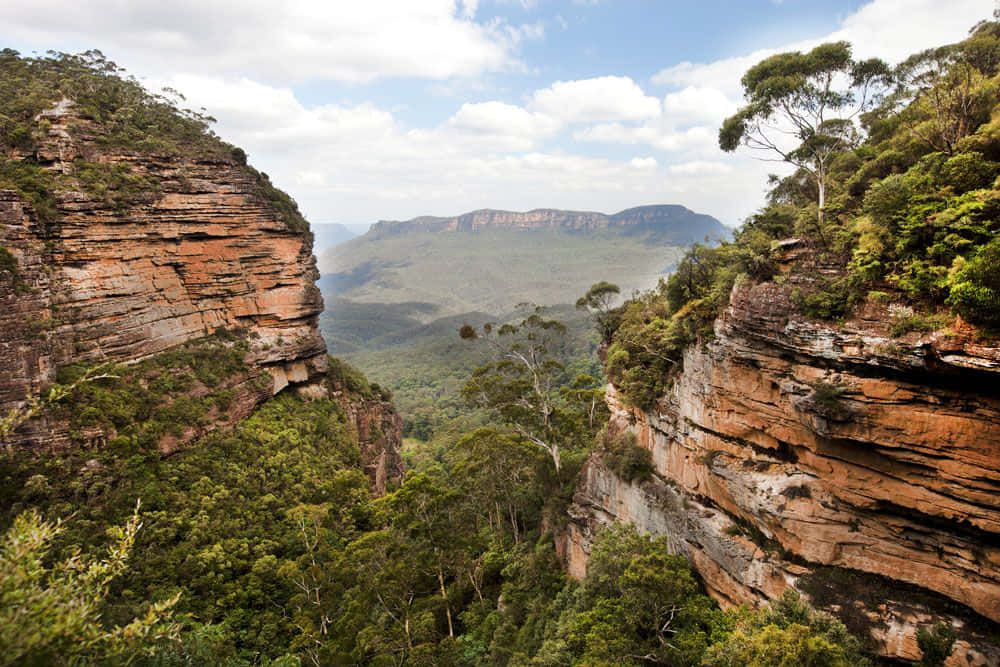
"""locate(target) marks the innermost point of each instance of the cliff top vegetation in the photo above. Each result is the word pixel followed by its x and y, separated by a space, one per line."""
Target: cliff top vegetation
pixel 117 113
pixel 895 199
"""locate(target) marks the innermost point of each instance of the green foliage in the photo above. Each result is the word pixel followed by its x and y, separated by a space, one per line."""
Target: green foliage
pixel 8 264
pixel 801 90
pixel 34 183
pixel 286 207
pixel 113 184
pixel 908 208
pixel 620 453
pixel 787 634
pixel 426 366
pixel 900 326
pixel 526 387
pixel 656 327
pixel 129 116
pixel 598 300
pixel 245 525
pixel 975 286
pixel 354 380
pixel 50 610
pixel 829 396
pixel 637 604
pixel 178 390
pixel 831 301
pixel 935 644
pixel 124 116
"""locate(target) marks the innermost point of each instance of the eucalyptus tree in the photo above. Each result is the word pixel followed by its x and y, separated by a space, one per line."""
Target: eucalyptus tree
pixel 600 301
pixel 523 385
pixel 801 108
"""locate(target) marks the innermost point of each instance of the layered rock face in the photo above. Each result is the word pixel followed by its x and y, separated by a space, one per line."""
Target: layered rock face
pixel 197 249
pixel 860 469
pixel 379 430
pixel 685 224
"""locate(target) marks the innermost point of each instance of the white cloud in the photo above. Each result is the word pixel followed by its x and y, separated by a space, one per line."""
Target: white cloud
pixel 358 161
pixel 310 178
pixel 643 163
pixel 888 29
pixel 698 138
pixel 599 99
pixel 508 124
pixel 699 167
pixel 696 103
pixel 293 41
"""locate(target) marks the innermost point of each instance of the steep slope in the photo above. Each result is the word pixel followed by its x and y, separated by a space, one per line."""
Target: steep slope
pixel 114 283
pixel 119 253
pixel 859 468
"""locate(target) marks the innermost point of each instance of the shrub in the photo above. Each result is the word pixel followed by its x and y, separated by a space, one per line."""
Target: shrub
pixel 620 452
pixel 831 301
pixel 975 287
pixel 901 326
pixel 8 263
pixel 788 632
pixel 935 644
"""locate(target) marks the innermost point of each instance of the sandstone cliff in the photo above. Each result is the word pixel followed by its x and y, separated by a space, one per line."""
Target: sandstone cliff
pixel 674 223
pixel 182 247
pixel 860 469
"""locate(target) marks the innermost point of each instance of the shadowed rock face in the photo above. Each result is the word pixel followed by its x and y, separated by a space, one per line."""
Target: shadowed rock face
pixel 887 495
pixel 202 250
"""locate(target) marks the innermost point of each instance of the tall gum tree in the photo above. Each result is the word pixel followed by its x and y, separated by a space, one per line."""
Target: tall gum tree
pixel 801 109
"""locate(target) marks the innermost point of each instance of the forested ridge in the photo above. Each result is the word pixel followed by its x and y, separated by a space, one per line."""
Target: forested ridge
pixel 263 543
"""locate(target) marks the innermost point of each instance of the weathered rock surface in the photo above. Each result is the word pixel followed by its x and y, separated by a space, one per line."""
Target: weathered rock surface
pixel 379 430
pixel 839 461
pixel 198 249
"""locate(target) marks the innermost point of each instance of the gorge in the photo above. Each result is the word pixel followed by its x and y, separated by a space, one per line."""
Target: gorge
pixel 773 445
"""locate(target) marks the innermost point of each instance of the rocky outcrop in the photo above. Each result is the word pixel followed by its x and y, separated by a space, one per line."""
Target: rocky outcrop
pixel 858 468
pixel 195 246
pixel 674 223
pixel 379 430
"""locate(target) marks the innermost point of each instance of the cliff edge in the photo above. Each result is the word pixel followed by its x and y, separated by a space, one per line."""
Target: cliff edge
pixel 859 468
pixel 132 252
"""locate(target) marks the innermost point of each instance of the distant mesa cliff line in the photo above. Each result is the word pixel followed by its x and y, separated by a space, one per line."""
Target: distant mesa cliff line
pixel 651 217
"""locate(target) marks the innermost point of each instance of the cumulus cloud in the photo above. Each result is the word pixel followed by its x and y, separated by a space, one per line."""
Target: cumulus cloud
pixel 699 167
pixel 296 40
pixel 643 163
pixel 603 98
pixel 357 160
pixel 497 119
pixel 888 29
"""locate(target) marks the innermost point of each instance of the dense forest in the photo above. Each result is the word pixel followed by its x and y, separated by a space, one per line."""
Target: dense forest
pixel 263 544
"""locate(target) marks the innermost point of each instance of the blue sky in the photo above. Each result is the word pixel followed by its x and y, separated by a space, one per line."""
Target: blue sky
pixel 389 109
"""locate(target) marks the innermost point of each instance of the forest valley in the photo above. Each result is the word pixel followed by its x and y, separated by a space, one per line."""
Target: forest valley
pixel 263 543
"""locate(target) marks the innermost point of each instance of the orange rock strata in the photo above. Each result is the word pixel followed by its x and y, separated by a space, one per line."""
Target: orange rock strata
pixel 198 249
pixel 893 486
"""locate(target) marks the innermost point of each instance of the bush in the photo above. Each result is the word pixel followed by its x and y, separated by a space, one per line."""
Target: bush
pixel 975 287
pixel 832 301
pixel 901 326
pixel 8 263
pixel 788 632
pixel 620 452
pixel 935 644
